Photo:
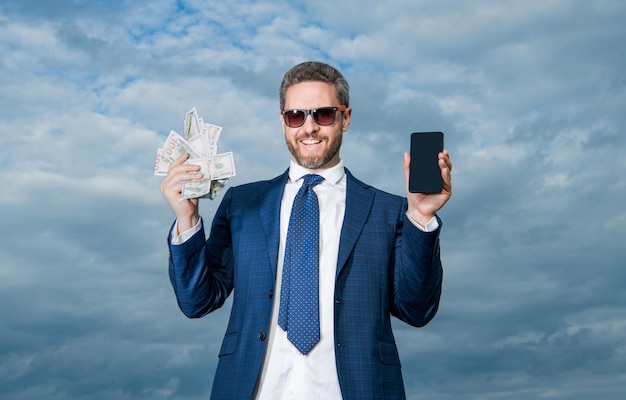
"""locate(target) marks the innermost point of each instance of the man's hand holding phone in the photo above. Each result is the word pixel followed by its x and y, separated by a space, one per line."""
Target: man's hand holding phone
pixel 427 171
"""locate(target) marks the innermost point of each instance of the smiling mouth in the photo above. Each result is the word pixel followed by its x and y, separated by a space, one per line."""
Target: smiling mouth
pixel 310 141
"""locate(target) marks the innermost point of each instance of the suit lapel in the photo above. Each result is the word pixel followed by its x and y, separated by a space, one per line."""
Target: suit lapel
pixel 269 209
pixel 359 200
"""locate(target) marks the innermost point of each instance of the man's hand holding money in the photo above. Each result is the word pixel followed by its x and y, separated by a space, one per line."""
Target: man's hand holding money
pixel 200 146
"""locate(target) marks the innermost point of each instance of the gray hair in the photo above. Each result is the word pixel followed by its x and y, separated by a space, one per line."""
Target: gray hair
pixel 314 71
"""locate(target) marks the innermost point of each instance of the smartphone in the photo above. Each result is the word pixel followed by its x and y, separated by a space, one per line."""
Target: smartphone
pixel 424 171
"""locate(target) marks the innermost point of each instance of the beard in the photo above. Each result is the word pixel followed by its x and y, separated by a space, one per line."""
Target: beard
pixel 314 162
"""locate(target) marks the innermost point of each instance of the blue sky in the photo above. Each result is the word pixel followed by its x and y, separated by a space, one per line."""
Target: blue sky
pixel 531 96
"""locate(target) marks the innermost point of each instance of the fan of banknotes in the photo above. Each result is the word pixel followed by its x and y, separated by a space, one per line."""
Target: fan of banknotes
pixel 200 141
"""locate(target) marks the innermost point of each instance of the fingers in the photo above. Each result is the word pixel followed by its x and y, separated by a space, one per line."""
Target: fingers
pixel 186 211
pixel 178 169
pixel 445 157
pixel 446 170
pixel 406 166
pixel 180 160
pixel 178 172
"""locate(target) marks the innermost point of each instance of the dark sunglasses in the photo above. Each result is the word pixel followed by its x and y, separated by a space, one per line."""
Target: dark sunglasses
pixel 322 116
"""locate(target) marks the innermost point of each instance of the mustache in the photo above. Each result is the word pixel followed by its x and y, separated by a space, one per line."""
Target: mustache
pixel 309 135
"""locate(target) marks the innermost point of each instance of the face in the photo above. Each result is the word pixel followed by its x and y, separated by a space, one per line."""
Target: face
pixel 313 146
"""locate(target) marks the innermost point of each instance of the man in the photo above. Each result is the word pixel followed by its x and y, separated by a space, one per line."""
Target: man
pixel 378 256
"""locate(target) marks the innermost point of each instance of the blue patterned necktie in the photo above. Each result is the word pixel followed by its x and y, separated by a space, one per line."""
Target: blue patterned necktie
pixel 299 298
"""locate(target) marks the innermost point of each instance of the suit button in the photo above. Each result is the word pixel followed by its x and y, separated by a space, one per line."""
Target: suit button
pixel 271 293
pixel 262 336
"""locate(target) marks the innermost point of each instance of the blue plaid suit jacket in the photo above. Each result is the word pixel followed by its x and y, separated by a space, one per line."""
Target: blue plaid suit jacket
pixel 386 266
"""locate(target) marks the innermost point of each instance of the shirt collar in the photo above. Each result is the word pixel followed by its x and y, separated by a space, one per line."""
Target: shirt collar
pixel 331 175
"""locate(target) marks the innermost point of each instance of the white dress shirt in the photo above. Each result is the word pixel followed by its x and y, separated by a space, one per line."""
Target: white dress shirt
pixel 286 373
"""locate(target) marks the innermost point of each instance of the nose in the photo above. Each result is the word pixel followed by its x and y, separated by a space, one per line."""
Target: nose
pixel 310 125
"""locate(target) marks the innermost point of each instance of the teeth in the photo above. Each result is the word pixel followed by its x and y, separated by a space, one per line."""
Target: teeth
pixel 311 141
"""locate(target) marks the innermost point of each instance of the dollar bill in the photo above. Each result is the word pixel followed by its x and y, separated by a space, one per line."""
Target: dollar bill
pixel 204 189
pixel 214 134
pixel 197 145
pixel 196 188
pixel 175 146
pixel 162 164
pixel 196 133
pixel 220 166
pixel 192 123
pixel 223 166
pixel 215 187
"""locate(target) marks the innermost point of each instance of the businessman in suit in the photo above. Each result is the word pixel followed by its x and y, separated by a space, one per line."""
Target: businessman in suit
pixel 374 255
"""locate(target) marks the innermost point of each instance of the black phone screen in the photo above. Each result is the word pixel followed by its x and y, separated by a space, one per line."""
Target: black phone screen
pixel 424 171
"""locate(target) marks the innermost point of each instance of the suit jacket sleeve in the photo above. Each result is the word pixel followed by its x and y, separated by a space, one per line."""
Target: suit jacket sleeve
pixel 201 272
pixel 418 274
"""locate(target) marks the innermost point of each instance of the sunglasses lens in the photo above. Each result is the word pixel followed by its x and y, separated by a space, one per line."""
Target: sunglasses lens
pixel 294 118
pixel 324 116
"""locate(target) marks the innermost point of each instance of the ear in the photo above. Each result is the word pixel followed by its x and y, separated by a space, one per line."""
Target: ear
pixel 347 116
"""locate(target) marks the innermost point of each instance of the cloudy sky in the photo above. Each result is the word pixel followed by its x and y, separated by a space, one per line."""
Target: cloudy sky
pixel 531 96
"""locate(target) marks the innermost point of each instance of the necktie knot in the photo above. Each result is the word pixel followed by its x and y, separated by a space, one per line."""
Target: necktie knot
pixel 312 180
